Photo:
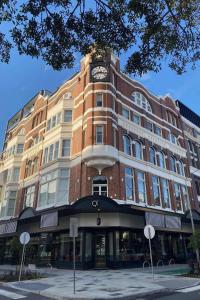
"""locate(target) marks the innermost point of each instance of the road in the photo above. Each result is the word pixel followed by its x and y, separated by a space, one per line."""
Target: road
pixel 192 293
pixel 10 293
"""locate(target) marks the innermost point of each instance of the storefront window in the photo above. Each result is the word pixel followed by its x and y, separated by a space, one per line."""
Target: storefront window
pixel 66 248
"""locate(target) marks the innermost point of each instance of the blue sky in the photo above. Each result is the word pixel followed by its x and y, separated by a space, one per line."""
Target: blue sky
pixel 23 77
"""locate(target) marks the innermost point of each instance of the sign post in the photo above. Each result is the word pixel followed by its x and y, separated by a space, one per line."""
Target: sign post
pixel 149 233
pixel 73 232
pixel 24 240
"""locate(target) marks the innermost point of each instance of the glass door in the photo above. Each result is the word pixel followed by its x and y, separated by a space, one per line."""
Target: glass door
pixel 100 251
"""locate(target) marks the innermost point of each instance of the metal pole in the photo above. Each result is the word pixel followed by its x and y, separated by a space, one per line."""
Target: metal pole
pixel 193 226
pixel 151 253
pixel 22 261
pixel 74 263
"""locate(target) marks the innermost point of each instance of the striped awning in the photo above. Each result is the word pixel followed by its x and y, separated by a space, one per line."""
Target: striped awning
pixel 9 227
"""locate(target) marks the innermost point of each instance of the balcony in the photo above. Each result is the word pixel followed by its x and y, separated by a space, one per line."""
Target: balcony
pixel 100 156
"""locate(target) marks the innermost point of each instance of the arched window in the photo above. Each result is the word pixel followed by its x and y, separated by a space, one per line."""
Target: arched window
pixel 138 150
pixel 100 186
pixel 173 163
pixel 161 159
pixel 152 155
pixel 127 144
pixel 141 101
pixel 180 168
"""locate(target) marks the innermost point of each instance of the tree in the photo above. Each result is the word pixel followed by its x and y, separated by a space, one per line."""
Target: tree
pixel 150 31
pixel 195 240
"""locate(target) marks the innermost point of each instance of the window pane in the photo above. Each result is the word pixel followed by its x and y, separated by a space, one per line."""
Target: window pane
pixel 16 174
pixel 51 152
pixel 53 121
pixel 67 116
pixel 156 190
pixel 43 194
pixel 138 150
pixel 127 145
pixel 99 100
pixel 45 159
pixel 56 150
pixel 157 130
pixel 129 184
pixel 165 193
pixel 136 119
pixel 125 113
pixel 66 148
pixel 141 186
pixel 51 192
pixel 99 134
pixel 177 191
pixel 152 156
pixel 20 148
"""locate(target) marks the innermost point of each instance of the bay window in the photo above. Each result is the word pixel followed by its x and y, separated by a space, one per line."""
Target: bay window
pixel 54 188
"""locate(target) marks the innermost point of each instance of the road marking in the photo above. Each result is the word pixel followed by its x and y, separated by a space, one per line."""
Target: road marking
pixel 190 289
pixel 11 295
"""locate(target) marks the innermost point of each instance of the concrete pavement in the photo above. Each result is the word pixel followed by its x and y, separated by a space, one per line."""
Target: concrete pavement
pixel 104 284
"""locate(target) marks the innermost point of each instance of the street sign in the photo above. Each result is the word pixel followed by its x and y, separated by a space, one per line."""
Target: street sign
pixel 149 232
pixel 73 227
pixel 24 238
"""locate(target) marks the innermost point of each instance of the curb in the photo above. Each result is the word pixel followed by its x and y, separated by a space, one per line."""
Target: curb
pixel 127 297
pixel 79 297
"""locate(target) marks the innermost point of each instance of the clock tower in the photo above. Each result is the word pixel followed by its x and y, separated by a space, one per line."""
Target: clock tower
pixel 100 67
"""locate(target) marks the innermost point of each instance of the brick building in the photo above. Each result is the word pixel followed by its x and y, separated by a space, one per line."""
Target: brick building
pixel 106 150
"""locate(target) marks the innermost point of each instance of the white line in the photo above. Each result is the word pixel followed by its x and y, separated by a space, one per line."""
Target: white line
pixel 190 289
pixel 11 295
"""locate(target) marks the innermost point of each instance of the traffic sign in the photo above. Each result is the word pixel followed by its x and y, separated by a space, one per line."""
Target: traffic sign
pixel 24 238
pixel 73 227
pixel 149 231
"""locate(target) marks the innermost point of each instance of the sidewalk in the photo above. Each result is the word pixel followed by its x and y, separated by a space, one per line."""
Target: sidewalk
pixel 104 284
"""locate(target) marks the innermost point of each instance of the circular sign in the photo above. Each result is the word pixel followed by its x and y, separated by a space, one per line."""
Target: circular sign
pixel 149 231
pixel 24 238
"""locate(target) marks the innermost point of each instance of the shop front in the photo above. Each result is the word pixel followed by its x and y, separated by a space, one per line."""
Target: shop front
pixel 110 236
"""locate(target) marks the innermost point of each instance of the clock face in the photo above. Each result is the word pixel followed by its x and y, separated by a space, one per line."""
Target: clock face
pixel 99 72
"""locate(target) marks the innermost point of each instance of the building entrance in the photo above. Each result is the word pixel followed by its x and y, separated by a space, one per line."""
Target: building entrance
pixel 100 251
